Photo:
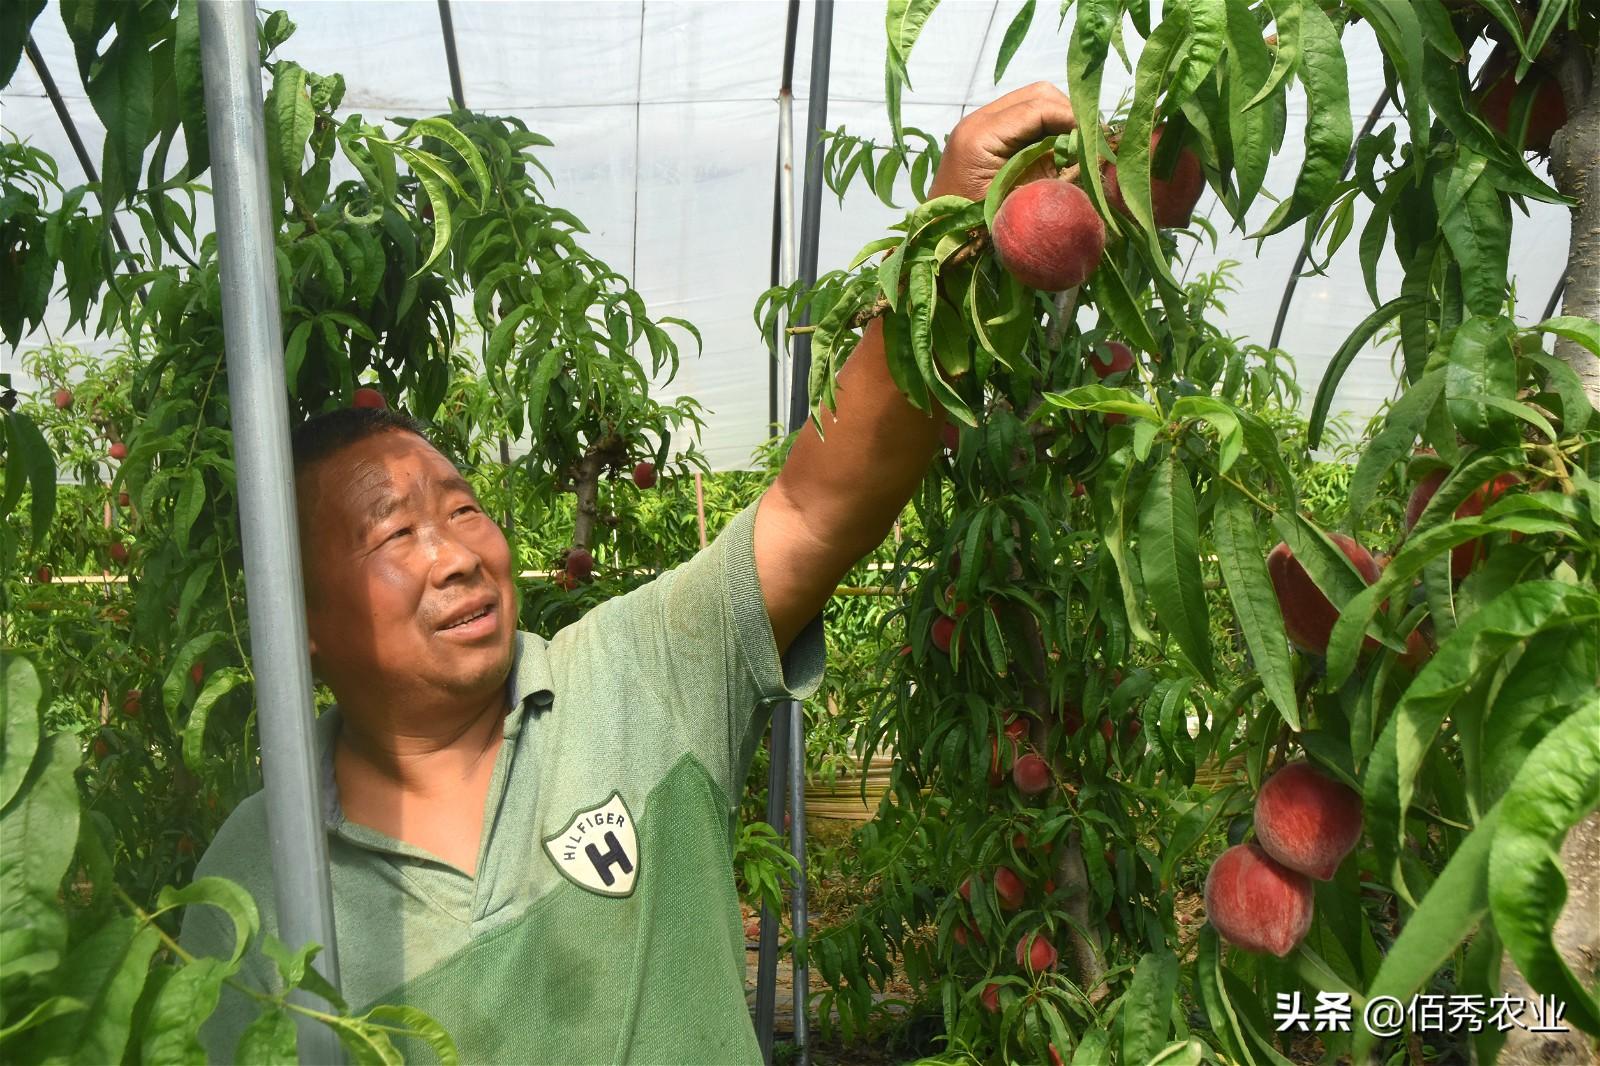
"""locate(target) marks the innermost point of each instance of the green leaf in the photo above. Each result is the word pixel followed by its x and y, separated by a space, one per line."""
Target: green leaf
pixel 1147 1006
pixel 14 29
pixel 903 24
pixel 1286 15
pixel 1239 549
pixel 1578 330
pixel 500 341
pixel 1482 363
pixel 54 1007
pixel 122 90
pixel 191 498
pixel 1329 131
pixel 172 1028
pixel 440 203
pixel 1250 130
pixel 1474 650
pixel 1169 558
pixel 1161 51
pixel 1344 357
pixel 1451 910
pixel 1220 416
pixel 1575 405
pixel 1202 50
pixel 36 462
pixel 190 87
pixel 270 1040
pixel 178 676
pixel 367 1045
pixel 1116 299
pixel 444 131
pixel 1008 44
pixel 1214 997
pixel 420 1025
pixel 38 830
pixel 1100 398
pixel 219 684
pixel 1390 444
pixel 1548 17
pixel 1092 28
pixel 1558 785
pixel 1006 177
pixel 106 971
pixel 227 896
pixel 1478 230
pixel 290 118
pixel 19 728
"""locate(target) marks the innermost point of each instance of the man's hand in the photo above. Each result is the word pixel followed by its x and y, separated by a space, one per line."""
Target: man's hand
pixel 836 500
pixel 982 142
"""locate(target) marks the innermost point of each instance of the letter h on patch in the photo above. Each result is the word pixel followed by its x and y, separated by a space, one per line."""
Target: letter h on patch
pixel 598 850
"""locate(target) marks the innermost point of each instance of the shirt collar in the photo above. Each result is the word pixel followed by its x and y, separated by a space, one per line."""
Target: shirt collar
pixel 530 687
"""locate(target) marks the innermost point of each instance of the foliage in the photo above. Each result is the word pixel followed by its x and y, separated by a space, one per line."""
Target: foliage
pixel 1133 627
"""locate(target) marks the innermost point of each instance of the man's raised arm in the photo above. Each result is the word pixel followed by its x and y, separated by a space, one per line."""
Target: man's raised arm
pixel 837 498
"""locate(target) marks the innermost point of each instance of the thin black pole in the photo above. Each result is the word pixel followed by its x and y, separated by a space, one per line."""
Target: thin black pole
pixel 1555 297
pixel 1305 249
pixel 458 98
pixel 447 28
pixel 78 148
pixel 767 952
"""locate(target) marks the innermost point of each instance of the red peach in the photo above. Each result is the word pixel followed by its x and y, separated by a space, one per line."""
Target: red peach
pixel 1031 774
pixel 1009 888
pixel 1306 820
pixel 1035 953
pixel 944 628
pixel 62 399
pixel 1172 199
pixel 118 451
pixel 991 998
pixel 1048 235
pixel 366 397
pixel 1308 615
pixel 1113 357
pixel 1548 113
pixel 580 564
pixel 644 474
pixel 1255 904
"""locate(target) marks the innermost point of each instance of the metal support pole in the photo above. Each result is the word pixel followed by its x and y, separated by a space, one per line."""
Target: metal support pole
pixel 783 254
pixel 278 642
pixel 1305 249
pixel 767 954
pixel 1555 297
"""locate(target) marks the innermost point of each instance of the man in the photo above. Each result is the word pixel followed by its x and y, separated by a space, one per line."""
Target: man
pixel 530 839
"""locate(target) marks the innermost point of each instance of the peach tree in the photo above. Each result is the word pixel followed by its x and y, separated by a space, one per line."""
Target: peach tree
pixel 142 705
pixel 1132 647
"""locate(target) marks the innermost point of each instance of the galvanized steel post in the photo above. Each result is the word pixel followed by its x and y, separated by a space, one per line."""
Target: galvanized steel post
pixel 253 336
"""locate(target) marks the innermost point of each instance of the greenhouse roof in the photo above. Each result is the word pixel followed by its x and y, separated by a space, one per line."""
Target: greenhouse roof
pixel 664 118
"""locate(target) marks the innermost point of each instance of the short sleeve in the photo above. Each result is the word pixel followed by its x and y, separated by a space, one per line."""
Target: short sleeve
pixel 703 629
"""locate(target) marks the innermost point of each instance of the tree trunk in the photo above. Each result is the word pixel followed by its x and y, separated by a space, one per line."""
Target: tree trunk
pixel 1575 166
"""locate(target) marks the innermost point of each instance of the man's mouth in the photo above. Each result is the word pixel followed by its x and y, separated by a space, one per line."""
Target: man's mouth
pixel 471 618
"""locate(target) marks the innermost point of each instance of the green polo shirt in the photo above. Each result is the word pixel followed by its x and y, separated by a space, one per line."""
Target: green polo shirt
pixel 603 925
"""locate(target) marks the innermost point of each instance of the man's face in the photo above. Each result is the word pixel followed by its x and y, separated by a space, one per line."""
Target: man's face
pixel 395 549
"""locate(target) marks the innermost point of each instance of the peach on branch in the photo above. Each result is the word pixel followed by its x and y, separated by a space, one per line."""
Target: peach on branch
pixel 1008 887
pixel 1306 820
pixel 118 552
pixel 644 474
pixel 62 399
pixel 1256 904
pixel 1031 774
pixel 1467 554
pixel 43 575
pixel 1546 114
pixel 991 997
pixel 370 398
pixel 118 451
pixel 1308 615
pixel 1172 199
pixel 1048 235
pixel 944 628
pixel 1035 953
pixel 579 565
pixel 1112 357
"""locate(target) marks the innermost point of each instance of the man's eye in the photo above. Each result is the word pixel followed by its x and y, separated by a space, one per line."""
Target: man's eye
pixel 469 508
pixel 399 533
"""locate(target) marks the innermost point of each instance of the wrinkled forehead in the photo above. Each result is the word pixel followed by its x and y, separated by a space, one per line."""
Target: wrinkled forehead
pixel 345 487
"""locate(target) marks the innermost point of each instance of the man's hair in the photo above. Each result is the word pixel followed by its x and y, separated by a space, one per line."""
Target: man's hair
pixel 321 435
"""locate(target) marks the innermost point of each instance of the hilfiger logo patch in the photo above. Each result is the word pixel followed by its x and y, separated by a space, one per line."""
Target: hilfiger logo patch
pixel 599 850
